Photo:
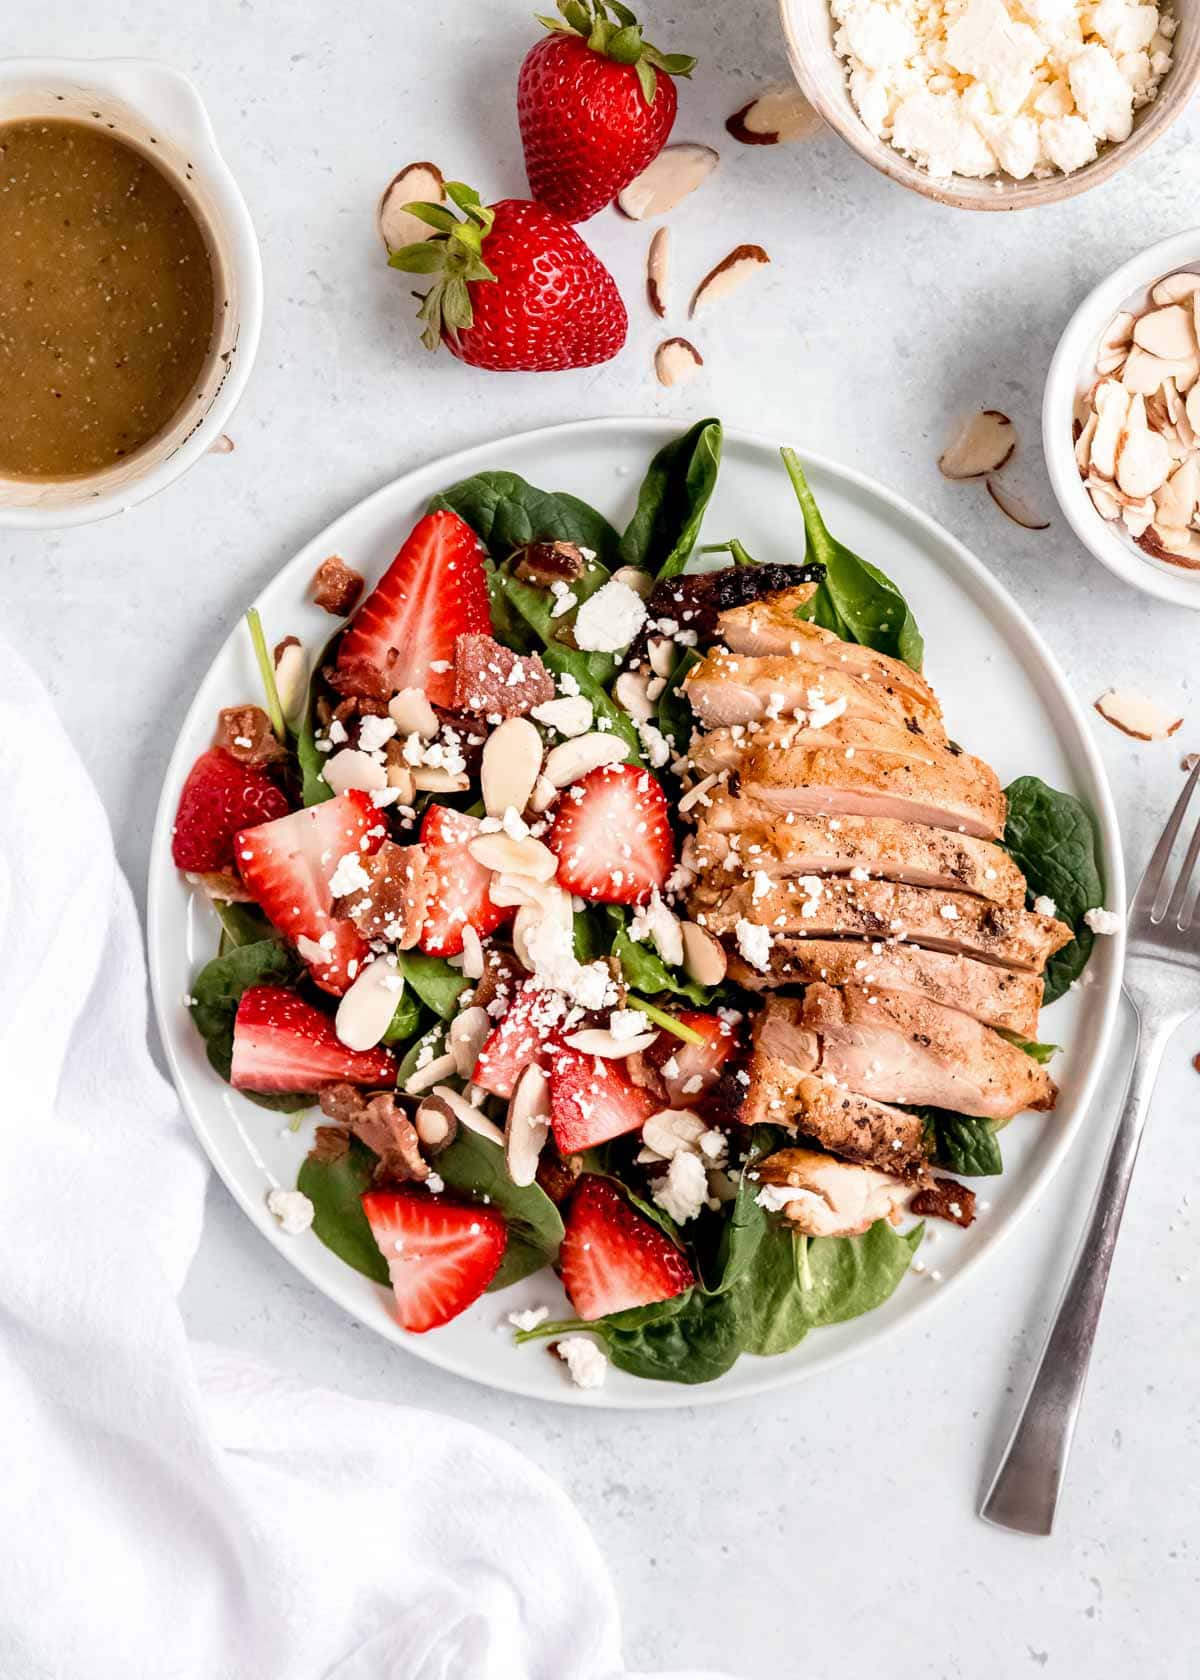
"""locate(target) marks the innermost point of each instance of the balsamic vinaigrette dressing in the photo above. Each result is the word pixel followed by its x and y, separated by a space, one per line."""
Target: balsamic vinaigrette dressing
pixel 106 299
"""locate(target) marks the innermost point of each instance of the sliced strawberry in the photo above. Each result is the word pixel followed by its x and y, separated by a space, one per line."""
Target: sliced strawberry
pixel 434 591
pixel 611 1258
pixel 441 1254
pixel 219 797
pixel 288 866
pixel 612 834
pixel 527 1033
pixel 458 886
pixel 689 1071
pixel 283 1043
pixel 592 1100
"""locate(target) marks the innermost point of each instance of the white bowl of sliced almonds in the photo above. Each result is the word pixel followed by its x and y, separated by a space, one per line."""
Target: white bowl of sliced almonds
pixel 1121 421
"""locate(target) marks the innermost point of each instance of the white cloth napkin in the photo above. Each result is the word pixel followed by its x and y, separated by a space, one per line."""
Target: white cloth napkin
pixel 172 1511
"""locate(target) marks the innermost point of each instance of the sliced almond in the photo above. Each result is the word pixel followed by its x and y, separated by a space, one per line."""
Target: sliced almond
pixel 417 183
pixel 1176 547
pixel 500 852
pixel 572 759
pixel 1137 715
pixel 224 445
pixel 412 714
pixel 1143 459
pixel 1175 288
pixel 472 953
pixel 1105 503
pixel 1015 508
pixel 662 654
pixel 435 1070
pixel 729 274
pixel 1142 372
pixel 543 796
pixel 598 1041
pixel 1115 342
pixel 629 691
pixel 512 757
pixel 1083 443
pixel 633 577
pixel 676 171
pixel 468 1115
pixel 774 117
pixel 573 714
pixel 983 445
pixel 350 769
pixel 1167 332
pixel 677 361
pixel 436 1125
pixel 656 271
pixel 704 959
pixel 291 679
pixel 527 1125
pixel 665 931
pixel 432 778
pixel 367 1007
pixel 1175 502
pixel 1112 405
pixel 399 776
pixel 1136 516
pixel 1191 409
pixel 1173 403
pixel 468 1033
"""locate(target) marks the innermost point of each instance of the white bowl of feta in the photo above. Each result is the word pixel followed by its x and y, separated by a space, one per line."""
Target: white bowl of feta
pixel 995 104
pixel 1087 357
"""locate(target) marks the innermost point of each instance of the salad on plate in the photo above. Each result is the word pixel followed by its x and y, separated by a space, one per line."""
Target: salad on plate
pixel 641 923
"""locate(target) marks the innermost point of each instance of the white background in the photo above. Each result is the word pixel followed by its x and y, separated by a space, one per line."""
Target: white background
pixel 828 1532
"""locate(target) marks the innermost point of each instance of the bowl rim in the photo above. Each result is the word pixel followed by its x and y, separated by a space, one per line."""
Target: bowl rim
pixel 150 84
pixel 1007 194
pixel 1179 586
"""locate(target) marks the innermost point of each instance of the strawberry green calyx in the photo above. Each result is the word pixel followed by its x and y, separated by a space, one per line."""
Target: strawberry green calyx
pixel 454 253
pixel 618 37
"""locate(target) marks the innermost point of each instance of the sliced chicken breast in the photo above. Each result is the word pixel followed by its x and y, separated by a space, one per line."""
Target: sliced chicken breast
pixel 999 997
pixel 727 688
pixel 822 1197
pixel 900 1048
pixel 853 769
pixel 770 626
pixel 823 906
pixel 795 844
pixel 860 1130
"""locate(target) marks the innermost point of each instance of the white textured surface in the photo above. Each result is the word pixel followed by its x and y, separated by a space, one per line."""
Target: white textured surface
pixel 828 1532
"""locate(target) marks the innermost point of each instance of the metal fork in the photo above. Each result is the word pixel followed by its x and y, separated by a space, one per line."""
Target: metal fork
pixel 1161 982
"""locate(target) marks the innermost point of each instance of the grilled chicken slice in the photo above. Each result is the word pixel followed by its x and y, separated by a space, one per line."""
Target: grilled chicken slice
pixel 730 688
pixel 826 1198
pixel 998 997
pixel 792 844
pixel 855 769
pixel 770 626
pixel 900 1048
pixel 821 906
pixel 858 1129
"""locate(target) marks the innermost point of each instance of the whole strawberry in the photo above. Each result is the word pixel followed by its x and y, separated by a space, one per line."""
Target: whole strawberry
pixel 595 103
pixel 515 288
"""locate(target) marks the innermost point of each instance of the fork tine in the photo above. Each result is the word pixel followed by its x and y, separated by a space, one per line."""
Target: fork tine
pixel 1179 897
pixel 1154 882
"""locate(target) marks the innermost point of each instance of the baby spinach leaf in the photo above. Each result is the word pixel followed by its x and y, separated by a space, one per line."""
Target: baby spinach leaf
pixel 676 490
pixel 406 1019
pixel 434 981
pixel 473 1165
pixel 335 1189
pixel 507 625
pixel 844 1277
pixel 560 660
pixel 675 718
pixel 692 1338
pixel 961 1143
pixel 435 1038
pixel 314 789
pixel 217 991
pixel 1041 1053
pixel 533 606
pixel 1051 837
pixel 241 924
pixel 856 600
pixel 506 512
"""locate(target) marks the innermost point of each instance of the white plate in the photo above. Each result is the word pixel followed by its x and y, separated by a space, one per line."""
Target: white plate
pixel 1004 698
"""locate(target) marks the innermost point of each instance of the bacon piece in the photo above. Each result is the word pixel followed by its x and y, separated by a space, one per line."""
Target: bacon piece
pixel 393 906
pixel 360 680
pixel 337 587
pixel 381 1125
pixel 545 563
pixel 943 1198
pixel 491 680
pixel 245 733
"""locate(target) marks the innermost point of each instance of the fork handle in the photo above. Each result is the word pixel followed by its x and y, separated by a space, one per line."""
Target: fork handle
pixel 1026 1486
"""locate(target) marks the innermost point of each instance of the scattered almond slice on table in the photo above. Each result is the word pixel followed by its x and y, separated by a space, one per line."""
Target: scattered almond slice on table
pixel 984 444
pixel 417 183
pixel 1015 508
pixel 729 274
pixel 676 171
pixel 774 117
pixel 676 361
pixel 656 272
pixel 1137 715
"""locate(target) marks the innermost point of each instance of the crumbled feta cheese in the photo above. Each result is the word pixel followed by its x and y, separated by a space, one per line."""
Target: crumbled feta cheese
pixel 374 732
pixel 292 1209
pixel 572 715
pixel 1044 906
pixel 775 1197
pixel 626 1023
pixel 683 1191
pixel 529 1318
pixel 610 619
pixel 973 87
pixel 348 877
pixel 586 1362
pixel 1103 921
pixel 754 944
